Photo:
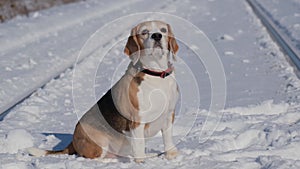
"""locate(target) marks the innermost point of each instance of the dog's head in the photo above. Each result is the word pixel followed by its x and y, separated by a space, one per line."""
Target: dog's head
pixel 151 43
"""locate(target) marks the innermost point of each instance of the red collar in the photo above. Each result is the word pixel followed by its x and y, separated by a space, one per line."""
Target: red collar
pixel 162 74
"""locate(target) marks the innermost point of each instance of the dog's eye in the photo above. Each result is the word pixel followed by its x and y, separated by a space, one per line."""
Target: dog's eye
pixel 145 32
pixel 164 30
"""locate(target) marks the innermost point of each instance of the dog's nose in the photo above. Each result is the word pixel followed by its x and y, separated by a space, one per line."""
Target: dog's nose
pixel 156 36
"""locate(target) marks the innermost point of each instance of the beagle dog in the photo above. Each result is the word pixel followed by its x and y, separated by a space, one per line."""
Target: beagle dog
pixel 138 106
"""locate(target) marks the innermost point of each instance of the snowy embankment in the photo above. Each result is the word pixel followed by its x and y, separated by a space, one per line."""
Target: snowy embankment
pixel 258 128
pixel 13 8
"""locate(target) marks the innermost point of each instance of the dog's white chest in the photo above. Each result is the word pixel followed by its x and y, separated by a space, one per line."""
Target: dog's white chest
pixel 157 98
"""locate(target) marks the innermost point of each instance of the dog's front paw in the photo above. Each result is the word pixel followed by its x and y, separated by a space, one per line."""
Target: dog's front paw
pixel 171 154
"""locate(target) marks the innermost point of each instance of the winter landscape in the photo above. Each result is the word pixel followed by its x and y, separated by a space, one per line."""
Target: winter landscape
pixel 241 111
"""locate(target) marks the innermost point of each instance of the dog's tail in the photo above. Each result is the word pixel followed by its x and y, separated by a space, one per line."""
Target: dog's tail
pixel 39 152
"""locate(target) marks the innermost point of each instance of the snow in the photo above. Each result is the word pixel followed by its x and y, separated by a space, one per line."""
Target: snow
pixel 229 53
pixel 227 37
pixel 266 107
pixel 286 16
pixel 257 128
pixel 15 140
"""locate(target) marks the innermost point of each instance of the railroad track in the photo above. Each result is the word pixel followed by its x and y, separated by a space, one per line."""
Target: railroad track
pixel 293 55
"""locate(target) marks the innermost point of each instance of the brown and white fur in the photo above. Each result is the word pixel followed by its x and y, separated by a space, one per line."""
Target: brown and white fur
pixel 138 106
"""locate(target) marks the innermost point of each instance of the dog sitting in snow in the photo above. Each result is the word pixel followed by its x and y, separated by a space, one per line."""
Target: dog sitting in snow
pixel 138 106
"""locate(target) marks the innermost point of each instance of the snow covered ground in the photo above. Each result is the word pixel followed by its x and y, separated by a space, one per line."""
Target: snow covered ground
pixel 259 126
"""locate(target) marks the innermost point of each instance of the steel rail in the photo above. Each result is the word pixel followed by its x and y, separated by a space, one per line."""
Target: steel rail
pixel 284 43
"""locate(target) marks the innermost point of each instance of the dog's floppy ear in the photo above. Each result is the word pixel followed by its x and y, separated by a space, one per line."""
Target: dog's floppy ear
pixel 132 48
pixel 172 44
